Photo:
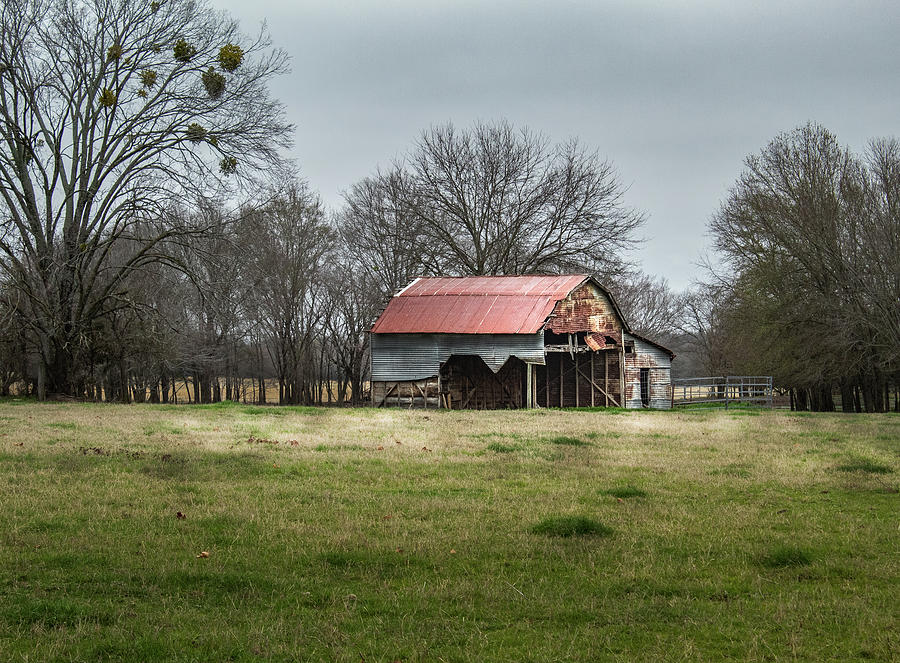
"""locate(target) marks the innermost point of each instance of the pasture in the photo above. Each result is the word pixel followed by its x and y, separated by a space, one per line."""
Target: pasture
pixel 236 533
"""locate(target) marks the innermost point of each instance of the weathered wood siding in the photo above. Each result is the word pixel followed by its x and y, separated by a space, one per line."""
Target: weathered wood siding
pixel 659 363
pixel 408 393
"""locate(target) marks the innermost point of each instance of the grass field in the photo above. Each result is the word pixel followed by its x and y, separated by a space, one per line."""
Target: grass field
pixel 386 535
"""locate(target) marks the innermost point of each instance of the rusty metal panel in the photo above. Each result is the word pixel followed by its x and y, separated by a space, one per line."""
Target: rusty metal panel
pixel 475 305
pixel 595 341
pixel 417 356
pixel 587 309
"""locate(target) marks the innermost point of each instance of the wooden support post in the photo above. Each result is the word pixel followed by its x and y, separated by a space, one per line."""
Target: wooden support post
pixel 592 378
pixel 577 399
pixel 606 377
pixel 529 403
pixel 547 383
pixel 622 397
pixel 560 379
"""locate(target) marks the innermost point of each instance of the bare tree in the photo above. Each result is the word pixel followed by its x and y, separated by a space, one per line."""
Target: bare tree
pixel 500 200
pixel 110 109
pixel 649 305
pixel 490 200
pixel 381 235
pixel 288 241
pixel 355 302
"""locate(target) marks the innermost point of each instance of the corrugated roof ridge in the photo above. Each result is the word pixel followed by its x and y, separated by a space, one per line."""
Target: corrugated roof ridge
pixel 557 280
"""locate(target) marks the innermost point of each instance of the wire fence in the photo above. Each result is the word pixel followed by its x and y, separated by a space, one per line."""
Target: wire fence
pixel 727 389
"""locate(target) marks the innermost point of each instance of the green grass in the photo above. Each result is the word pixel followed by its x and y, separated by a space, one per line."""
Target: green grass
pixel 865 465
pixel 384 535
pixel 785 556
pixel 500 448
pixel 568 440
pixel 626 492
pixel 566 526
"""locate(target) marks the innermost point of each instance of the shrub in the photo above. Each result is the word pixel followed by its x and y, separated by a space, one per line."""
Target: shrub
pixel 567 526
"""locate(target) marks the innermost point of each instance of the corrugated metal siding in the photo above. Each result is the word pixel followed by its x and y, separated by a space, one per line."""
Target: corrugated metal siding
pixel 417 356
pixel 660 365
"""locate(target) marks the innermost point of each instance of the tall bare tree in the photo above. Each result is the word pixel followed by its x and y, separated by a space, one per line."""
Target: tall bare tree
pixel 490 200
pixel 109 109
pixel 382 236
pixel 649 305
pixel 501 200
pixel 288 241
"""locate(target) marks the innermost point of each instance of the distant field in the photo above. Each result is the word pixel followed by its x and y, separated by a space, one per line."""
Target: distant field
pixel 386 535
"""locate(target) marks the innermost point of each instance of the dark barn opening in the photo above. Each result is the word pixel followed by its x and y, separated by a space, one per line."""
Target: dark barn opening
pixel 582 379
pixel 645 387
pixel 468 383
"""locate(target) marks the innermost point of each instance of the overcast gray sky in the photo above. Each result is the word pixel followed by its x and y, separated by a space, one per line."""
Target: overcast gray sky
pixel 675 94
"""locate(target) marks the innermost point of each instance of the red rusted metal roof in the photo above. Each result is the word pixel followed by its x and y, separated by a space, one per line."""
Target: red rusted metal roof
pixel 475 304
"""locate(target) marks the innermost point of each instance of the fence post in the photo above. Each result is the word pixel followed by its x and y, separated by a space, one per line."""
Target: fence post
pixel 726 392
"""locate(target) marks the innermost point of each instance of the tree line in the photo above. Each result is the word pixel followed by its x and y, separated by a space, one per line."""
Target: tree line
pixel 155 244
pixel 808 283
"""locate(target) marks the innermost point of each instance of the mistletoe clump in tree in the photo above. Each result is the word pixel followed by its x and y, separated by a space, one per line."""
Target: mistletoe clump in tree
pixel 100 101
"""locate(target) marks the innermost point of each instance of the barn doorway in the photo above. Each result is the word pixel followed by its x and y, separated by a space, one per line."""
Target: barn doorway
pixel 645 387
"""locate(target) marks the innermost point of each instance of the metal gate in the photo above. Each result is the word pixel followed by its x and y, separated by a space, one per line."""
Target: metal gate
pixel 727 389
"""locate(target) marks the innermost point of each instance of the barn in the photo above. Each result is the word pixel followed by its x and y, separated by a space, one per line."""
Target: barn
pixel 491 342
